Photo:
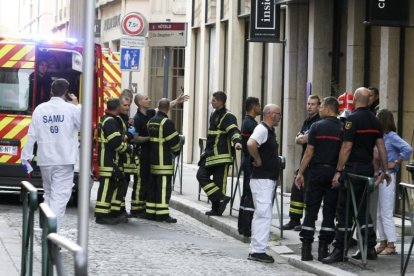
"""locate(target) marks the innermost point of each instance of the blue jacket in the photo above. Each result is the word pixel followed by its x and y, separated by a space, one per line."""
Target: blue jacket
pixel 396 147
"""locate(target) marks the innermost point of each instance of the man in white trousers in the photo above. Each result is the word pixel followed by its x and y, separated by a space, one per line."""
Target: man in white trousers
pixel 54 128
pixel 263 148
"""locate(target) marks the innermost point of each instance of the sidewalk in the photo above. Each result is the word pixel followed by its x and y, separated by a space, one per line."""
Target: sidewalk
pixel 289 246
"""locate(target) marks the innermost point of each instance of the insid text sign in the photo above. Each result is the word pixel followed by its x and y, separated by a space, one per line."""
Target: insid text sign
pixel 264 23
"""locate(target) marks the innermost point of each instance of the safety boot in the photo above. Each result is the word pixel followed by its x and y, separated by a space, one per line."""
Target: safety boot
pixel 323 250
pixel 307 251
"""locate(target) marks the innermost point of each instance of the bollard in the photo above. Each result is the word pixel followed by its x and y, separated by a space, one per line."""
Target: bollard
pixel 48 224
pixel 28 196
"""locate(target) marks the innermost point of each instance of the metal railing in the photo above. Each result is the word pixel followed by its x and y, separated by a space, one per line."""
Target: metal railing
pixel 282 166
pixel 55 243
pixel 178 167
pixel 201 145
pixel 28 196
pixel 235 186
pixel 48 223
pixel 52 244
pixel 350 196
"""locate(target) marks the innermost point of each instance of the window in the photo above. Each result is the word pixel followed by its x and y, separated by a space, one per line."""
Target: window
pixel 244 7
pixel 14 89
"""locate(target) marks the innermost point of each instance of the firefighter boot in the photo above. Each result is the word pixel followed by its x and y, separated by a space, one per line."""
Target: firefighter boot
pixel 307 251
pixel 323 250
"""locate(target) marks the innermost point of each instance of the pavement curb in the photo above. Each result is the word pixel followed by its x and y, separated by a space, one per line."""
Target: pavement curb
pixel 229 227
pixel 315 267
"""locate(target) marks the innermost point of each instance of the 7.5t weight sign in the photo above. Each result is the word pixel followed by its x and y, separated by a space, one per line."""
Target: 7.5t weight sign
pixel 133 24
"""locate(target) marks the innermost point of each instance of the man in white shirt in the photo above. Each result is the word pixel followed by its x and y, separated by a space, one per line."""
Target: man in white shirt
pixel 263 148
pixel 54 128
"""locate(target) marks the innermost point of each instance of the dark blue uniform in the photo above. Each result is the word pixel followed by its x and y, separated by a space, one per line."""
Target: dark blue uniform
pixel 326 137
pixel 297 196
pixel 363 129
pixel 246 202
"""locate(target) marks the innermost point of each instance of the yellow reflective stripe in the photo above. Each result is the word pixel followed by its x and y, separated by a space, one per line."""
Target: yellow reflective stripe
pixel 105 174
pixel 150 204
pixel 162 212
pixel 153 139
pixel 102 211
pixel 122 147
pixel 161 172
pixel 162 167
pixel 230 127
pixel 216 132
pixel 105 169
pixel 176 147
pixel 161 145
pixel 169 137
pixel 212 191
pixel 292 210
pixel 235 136
pixel 162 205
pixel 148 211
pixel 103 204
pixel 113 135
pixel 224 188
pixel 163 191
pixel 208 186
pixel 297 204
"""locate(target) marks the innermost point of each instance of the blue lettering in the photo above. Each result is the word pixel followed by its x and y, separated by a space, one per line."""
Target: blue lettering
pixel 53 119
pixel 44 119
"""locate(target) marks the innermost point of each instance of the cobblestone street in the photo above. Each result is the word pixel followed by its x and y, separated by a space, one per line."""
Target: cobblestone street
pixel 144 247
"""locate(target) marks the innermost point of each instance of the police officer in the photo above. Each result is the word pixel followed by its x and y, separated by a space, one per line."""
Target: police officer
pixel 54 127
pixel 324 143
pixel 165 142
pixel 111 145
pixel 253 109
pixel 297 203
pixel 362 132
pixel 217 155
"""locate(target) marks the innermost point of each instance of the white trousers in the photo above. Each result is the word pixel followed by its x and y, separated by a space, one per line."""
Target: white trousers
pixel 262 191
pixel 57 184
pixel 385 220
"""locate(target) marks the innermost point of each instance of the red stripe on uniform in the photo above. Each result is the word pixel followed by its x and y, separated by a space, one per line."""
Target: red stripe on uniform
pixel 247 135
pixel 367 131
pixel 325 137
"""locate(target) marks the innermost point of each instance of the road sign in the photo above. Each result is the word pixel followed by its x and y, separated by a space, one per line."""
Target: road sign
pixel 128 41
pixel 167 34
pixel 130 59
pixel 133 23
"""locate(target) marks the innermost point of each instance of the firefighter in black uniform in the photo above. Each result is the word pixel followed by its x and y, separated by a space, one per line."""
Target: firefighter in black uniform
pixel 324 143
pixel 297 203
pixel 246 210
pixel 217 155
pixel 165 142
pixel 111 145
pixel 130 161
pixel 362 132
pixel 141 118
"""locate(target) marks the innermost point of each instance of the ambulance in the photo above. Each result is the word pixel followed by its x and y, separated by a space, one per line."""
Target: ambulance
pixel 27 68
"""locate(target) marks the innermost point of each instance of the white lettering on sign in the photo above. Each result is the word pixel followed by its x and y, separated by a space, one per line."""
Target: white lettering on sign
pixel 266 13
pixel 381 4
pixel 164 26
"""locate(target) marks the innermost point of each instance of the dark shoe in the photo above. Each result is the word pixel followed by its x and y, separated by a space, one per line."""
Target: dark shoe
pixel 261 257
pixel 371 254
pixel 223 203
pixel 307 251
pixel 291 224
pixel 123 218
pixel 167 219
pixel 298 228
pixel 141 215
pixel 353 242
pixel 107 220
pixel 323 250
pixel 337 255
pixel 212 213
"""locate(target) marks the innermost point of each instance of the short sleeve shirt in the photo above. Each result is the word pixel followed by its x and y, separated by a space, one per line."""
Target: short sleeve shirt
pixel 363 129
pixel 259 134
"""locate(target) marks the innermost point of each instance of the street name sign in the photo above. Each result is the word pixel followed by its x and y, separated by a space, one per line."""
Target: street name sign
pixel 167 34
pixel 132 41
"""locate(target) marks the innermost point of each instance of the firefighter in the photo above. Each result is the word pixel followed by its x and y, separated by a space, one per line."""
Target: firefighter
pixel 129 160
pixel 253 109
pixel 362 132
pixel 111 145
pixel 141 118
pixel 217 155
pixel 165 143
pixel 297 203
pixel 321 154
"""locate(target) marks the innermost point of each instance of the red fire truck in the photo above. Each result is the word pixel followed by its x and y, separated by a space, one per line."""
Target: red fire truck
pixel 22 80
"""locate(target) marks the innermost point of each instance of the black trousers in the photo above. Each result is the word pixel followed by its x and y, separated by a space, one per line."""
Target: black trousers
pixel 361 199
pixel 216 188
pixel 297 199
pixel 144 170
pixel 319 188
pixel 158 197
pixel 246 209
pixel 106 193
